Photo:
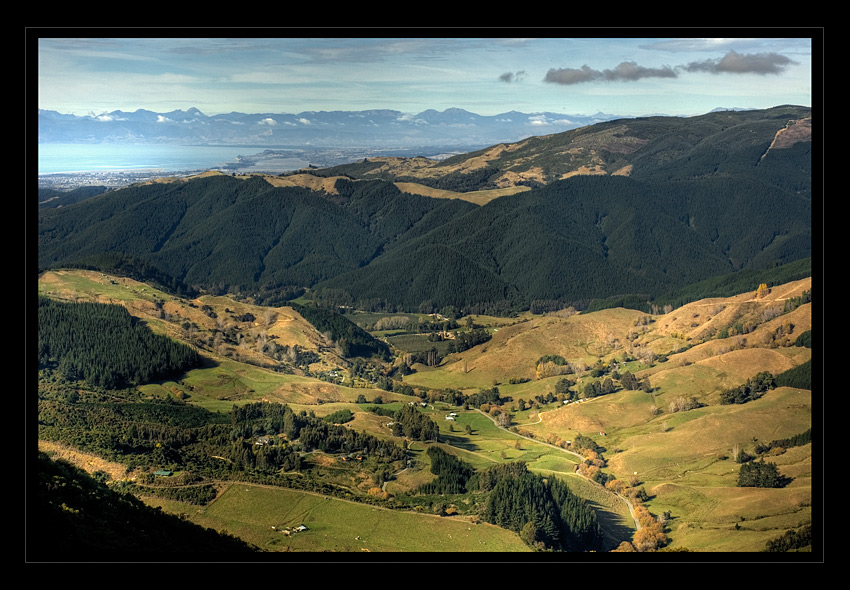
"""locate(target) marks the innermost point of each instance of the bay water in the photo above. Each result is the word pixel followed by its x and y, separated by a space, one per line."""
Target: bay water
pixel 63 158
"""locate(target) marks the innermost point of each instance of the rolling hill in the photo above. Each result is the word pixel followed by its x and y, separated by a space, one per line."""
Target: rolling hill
pixel 679 459
pixel 628 207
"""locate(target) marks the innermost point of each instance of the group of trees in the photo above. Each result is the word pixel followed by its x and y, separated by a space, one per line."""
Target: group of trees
pixel 765 474
pixel 248 456
pixel 542 511
pixel 791 541
pixel 105 346
pixel 453 475
pixel 596 388
pixel 483 396
pixel 754 388
pixel 552 364
pixel 785 443
pixel 295 354
pixel 313 433
pixel 468 339
pixel 413 424
pixel 761 474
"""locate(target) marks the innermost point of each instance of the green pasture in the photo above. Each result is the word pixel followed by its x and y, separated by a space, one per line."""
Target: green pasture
pixel 250 511
pixel 489 444
pixel 224 382
pixel 729 519
pixel 449 376
pixel 221 384
pixel 671 444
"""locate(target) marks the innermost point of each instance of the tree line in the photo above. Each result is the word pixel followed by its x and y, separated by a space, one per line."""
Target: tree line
pixel 754 388
pixel 105 346
pixel 413 424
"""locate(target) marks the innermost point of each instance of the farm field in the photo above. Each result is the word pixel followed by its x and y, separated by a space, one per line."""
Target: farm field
pixel 250 511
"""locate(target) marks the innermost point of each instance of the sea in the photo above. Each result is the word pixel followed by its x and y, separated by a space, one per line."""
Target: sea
pixel 63 158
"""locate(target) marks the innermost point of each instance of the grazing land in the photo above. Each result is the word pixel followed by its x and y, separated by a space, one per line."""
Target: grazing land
pixel 681 460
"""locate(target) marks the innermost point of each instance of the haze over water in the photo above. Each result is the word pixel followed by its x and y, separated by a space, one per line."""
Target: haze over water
pixel 55 158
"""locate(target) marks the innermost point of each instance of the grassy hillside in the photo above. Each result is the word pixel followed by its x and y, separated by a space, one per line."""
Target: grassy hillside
pixel 678 462
pixel 683 458
pixel 268 518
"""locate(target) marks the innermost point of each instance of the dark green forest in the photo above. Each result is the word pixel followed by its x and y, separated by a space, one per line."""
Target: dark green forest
pixel 542 511
pixel 106 346
pixel 706 203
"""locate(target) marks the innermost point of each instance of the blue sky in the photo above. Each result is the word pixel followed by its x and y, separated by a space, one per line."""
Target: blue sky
pixel 488 75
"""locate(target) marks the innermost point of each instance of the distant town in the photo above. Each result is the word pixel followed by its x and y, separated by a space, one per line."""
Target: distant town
pixel 108 178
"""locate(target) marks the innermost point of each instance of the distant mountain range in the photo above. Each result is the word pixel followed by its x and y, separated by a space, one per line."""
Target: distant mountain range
pixel 371 128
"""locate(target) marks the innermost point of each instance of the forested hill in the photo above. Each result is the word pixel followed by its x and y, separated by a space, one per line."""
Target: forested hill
pixel 638 206
pixel 723 143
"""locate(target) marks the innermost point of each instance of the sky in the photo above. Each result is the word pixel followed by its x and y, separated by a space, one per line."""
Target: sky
pixel 488 75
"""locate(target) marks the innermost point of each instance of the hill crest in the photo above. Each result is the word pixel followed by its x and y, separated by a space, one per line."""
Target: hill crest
pixel 634 207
